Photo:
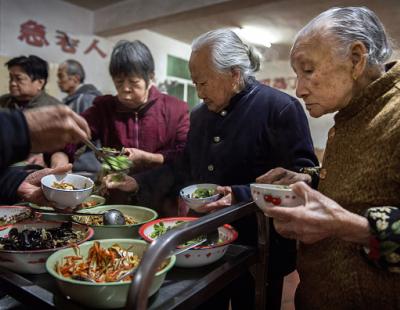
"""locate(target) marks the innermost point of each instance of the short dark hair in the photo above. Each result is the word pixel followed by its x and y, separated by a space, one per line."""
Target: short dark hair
pixel 35 67
pixel 132 58
pixel 75 68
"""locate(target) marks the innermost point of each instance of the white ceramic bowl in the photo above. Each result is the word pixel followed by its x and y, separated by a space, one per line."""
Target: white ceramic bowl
pixel 102 295
pixel 199 255
pixel 195 203
pixel 67 198
pixel 269 195
pixel 13 214
pixel 141 214
pixel 33 261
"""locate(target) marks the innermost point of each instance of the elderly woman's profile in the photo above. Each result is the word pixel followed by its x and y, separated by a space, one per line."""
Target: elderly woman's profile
pixel 349 229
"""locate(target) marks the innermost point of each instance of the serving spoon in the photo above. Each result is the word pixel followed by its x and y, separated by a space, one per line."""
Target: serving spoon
pixel 110 217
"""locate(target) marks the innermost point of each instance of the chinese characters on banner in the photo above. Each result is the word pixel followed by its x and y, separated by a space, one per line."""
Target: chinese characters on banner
pixel 285 83
pixel 34 34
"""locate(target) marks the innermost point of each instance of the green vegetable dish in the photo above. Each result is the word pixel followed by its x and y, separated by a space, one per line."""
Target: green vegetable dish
pixel 160 229
pixel 203 193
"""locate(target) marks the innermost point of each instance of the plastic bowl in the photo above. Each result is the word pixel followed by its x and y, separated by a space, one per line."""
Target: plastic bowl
pixel 141 214
pixel 102 295
pixel 199 255
pixel 269 195
pixel 33 261
pixel 195 203
pixel 67 198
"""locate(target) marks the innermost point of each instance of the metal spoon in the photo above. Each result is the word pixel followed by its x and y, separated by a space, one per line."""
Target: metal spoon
pixel 82 278
pixel 113 217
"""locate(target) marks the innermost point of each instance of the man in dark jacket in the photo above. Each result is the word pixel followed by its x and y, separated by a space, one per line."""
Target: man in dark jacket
pixel 71 77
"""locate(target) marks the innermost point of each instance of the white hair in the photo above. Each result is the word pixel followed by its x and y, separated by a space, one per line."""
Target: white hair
pixel 228 52
pixel 348 25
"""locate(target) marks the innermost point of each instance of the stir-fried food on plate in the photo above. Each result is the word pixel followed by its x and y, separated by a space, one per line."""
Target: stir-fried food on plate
pixel 101 265
pixel 98 220
pixel 64 185
pixel 203 193
pixel 160 229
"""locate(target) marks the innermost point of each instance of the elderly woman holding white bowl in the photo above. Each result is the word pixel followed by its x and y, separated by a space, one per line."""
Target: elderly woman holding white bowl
pixel 242 129
pixel 339 61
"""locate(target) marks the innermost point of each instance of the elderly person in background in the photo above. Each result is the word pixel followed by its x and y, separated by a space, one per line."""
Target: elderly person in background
pixel 71 77
pixel 28 78
pixel 242 129
pixel 339 61
pixel 150 125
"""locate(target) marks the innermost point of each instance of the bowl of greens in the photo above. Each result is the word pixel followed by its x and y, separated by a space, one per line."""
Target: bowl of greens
pixel 197 195
pixel 201 255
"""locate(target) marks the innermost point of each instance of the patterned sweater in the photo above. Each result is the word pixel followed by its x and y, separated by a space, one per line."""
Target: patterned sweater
pixel 360 170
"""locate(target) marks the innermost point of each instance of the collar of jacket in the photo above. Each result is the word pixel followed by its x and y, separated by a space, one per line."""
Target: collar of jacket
pixel 371 93
pixel 250 85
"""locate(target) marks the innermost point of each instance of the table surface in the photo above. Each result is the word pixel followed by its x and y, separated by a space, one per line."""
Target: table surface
pixel 183 288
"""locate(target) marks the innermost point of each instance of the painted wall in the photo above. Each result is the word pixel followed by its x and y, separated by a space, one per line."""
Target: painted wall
pixel 53 15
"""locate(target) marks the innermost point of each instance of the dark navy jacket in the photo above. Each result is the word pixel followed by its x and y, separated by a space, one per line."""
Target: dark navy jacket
pixel 262 128
pixel 14 145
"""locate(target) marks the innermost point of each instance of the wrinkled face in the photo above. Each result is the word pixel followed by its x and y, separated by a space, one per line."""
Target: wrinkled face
pixel 324 79
pixel 66 83
pixel 132 91
pixel 215 88
pixel 21 85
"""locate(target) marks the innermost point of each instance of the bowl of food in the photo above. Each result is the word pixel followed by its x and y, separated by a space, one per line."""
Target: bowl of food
pixel 24 247
pixel 196 196
pixel 135 216
pixel 269 195
pixel 74 271
pixel 204 254
pixel 13 214
pixel 66 190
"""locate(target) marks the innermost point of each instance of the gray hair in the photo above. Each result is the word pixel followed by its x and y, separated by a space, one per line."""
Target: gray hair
pixel 228 52
pixel 75 68
pixel 132 58
pixel 348 25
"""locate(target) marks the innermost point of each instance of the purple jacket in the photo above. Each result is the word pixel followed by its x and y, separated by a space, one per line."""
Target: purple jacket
pixel 160 127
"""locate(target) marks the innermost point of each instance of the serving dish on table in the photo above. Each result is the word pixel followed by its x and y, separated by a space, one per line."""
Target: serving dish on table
pixel 201 255
pixel 137 216
pixel 100 294
pixel 13 214
pixel 27 258
pixel 270 195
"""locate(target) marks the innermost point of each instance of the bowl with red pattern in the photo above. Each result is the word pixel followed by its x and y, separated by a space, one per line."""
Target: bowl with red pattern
pixel 270 195
pixel 201 255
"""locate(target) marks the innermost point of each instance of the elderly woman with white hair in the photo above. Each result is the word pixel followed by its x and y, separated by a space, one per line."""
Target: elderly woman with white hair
pixel 339 61
pixel 241 129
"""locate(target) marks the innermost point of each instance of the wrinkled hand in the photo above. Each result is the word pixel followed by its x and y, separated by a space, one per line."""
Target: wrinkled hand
pixel 30 189
pixel 282 176
pixel 226 200
pixel 52 127
pixel 125 184
pixel 142 158
pixel 318 219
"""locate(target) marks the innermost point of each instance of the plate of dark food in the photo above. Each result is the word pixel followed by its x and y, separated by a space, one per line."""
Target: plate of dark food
pixel 25 247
